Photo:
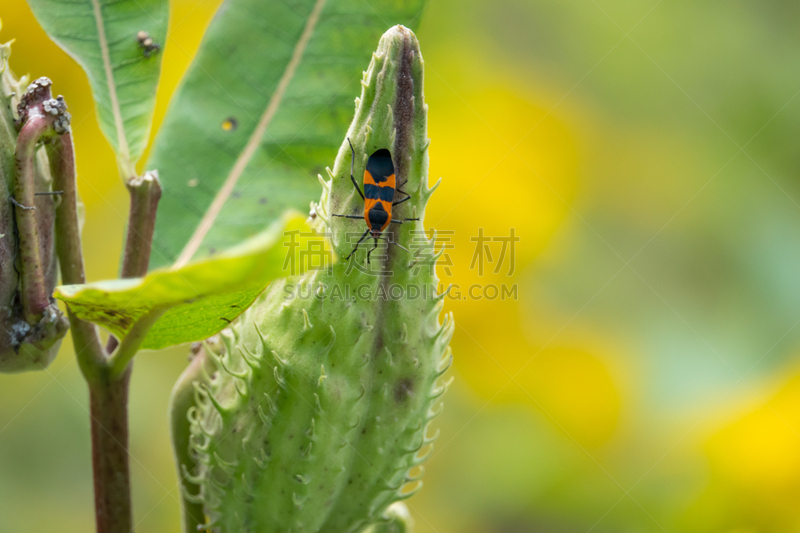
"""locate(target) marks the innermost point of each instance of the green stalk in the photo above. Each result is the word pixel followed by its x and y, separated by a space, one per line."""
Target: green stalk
pixel 108 383
pixel 109 397
pixel 85 337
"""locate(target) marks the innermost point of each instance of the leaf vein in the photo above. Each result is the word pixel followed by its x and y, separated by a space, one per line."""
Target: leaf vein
pixel 104 51
pixel 253 143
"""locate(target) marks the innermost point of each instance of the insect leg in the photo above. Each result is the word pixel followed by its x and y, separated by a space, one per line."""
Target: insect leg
pixel 349 216
pixel 400 245
pixel 356 247
pixel 372 249
pixel 389 241
pixel 408 197
pixel 352 162
pixel 404 220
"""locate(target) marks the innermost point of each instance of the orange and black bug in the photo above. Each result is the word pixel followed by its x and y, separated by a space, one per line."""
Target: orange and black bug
pixel 378 196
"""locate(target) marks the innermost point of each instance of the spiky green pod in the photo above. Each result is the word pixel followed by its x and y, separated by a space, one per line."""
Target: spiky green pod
pixel 24 344
pixel 316 418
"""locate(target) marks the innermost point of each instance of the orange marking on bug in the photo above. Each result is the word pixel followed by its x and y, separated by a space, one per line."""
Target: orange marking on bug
pixel 369 180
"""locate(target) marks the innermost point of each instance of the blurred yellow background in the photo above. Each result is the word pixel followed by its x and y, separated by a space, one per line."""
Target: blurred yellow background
pixel 646 378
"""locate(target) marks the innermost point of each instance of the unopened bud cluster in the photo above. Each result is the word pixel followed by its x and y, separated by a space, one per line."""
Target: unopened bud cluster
pixel 58 108
pixel 38 96
pixel 27 344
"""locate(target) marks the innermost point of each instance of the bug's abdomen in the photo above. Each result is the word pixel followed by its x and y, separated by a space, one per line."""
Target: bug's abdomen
pixel 378 192
pixel 377 214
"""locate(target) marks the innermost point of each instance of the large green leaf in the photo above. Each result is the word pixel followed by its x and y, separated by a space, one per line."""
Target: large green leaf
pixel 102 36
pixel 261 112
pixel 196 301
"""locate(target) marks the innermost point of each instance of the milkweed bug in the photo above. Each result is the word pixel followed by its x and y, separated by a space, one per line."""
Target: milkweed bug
pixel 378 196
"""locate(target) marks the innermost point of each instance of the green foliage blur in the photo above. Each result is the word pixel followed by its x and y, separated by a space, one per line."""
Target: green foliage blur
pixel 647 377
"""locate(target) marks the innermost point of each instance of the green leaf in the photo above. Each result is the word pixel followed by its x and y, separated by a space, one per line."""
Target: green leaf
pixel 102 36
pixel 195 301
pixel 261 111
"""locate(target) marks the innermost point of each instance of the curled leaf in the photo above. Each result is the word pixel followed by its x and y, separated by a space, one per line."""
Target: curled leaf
pixel 197 300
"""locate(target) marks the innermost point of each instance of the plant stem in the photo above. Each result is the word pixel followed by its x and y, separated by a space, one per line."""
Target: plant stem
pixel 108 389
pixel 35 297
pixel 85 338
pixel 123 355
pixel 145 193
pixel 108 399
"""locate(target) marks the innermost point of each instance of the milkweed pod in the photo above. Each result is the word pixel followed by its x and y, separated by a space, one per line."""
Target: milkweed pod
pixel 340 384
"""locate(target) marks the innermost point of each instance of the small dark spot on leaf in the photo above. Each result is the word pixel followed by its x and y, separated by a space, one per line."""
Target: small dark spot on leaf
pixel 225 319
pixel 236 194
pixel 262 200
pixel 230 124
pixel 117 318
